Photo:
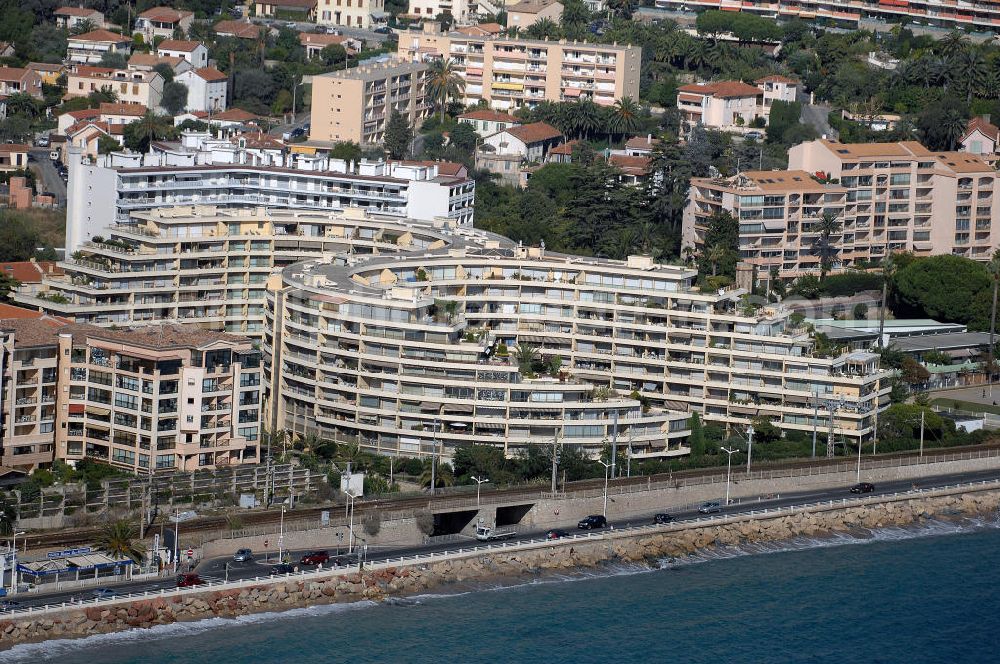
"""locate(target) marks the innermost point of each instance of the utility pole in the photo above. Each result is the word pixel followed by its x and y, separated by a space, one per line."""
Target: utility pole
pixel 434 458
pixel 555 462
pixel 614 443
pixel 832 406
pixel 815 419
pixel 749 446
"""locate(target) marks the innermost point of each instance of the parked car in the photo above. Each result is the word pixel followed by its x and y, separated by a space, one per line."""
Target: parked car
pixel 243 556
pixel 863 487
pixel 344 560
pixel 298 132
pixel 188 580
pixel 663 518
pixel 709 508
pixel 383 30
pixel 592 521
pixel 755 135
pixel 330 30
pixel 104 593
pixel 315 558
pixel 42 141
pixel 282 568
pixel 556 533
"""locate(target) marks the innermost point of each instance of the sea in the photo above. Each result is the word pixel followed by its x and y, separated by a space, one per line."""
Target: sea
pixel 929 593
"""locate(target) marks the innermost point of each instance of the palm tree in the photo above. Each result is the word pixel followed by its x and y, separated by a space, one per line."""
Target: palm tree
pixel 888 267
pixel 974 71
pixel 444 83
pixel 526 356
pixel 715 255
pixel 83 27
pixel 952 43
pixel 993 267
pixel 828 226
pixel 953 127
pixel 120 539
pixel 542 28
pixel 272 440
pixel 624 118
pixel 443 475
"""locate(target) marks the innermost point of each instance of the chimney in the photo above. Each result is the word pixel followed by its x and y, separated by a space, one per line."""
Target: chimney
pixel 986 117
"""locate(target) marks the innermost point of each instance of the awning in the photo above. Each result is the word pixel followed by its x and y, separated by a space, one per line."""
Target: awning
pixel 76 408
pixel 508 86
pixel 571 92
pixel 474 71
pixel 458 407
pixel 95 410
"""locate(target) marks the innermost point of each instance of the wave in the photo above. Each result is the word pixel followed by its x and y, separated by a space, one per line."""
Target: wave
pixel 54 649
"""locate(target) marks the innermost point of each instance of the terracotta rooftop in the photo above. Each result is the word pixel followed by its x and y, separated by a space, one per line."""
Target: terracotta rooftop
pixel 235 115
pixel 183 45
pixel 165 15
pixel 316 39
pixel 984 126
pixel 100 36
pixel 86 70
pixel 8 311
pixel 777 78
pixel 30 272
pixel 488 115
pixel 84 114
pixel 871 150
pixel 75 11
pixel 296 4
pixel 642 142
pixel 45 66
pixel 481 29
pixel 565 148
pixel 12 73
pixel 241 29
pixel 532 6
pixel 14 147
pixel 210 74
pixel 133 110
pixel 630 165
pixel 534 132
pixel 260 141
pixel 722 89
pixel 44 330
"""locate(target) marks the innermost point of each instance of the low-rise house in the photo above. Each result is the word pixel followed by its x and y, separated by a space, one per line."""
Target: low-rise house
pixel 634 168
pixel 365 14
pixel 206 89
pixel 114 113
pixel 48 72
pixel 721 105
pixel 234 119
pixel 149 61
pixel 528 12
pixel 530 142
pixel 29 274
pixel 70 17
pixel 90 47
pixel 777 88
pixel 162 22
pixel 13 157
pixel 981 138
pixel 70 118
pixel 481 30
pixel 641 146
pixel 87 134
pixel 315 42
pixel 130 86
pixel 300 10
pixel 238 29
pixel 193 52
pixel 19 80
pixel 7 50
pixel 487 122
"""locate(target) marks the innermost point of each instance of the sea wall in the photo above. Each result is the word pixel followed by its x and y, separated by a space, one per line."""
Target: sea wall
pixel 500 562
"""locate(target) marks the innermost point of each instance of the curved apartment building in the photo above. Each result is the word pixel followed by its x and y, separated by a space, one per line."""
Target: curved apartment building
pixel 418 354
pixel 209 265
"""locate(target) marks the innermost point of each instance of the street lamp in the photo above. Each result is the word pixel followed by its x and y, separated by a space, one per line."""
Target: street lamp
pixel 295 89
pixel 281 535
pixel 607 467
pixel 749 446
pixel 13 563
pixel 479 485
pixel 729 472
pixel 350 527
pixel 859 460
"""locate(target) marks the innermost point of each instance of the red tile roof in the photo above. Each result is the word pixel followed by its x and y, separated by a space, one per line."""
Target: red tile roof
pixel 535 132
pixel 564 149
pixel 165 15
pixel 241 29
pixel 642 143
pixel 488 115
pixel 210 74
pixel 722 89
pixel 295 4
pixel 630 165
pixel 84 114
pixel 13 73
pixel 235 115
pixel 133 110
pixel 75 11
pixel 101 36
pixel 984 126
pixel 481 29
pixel 178 45
pixel 777 78
pixel 29 272
pixel 14 147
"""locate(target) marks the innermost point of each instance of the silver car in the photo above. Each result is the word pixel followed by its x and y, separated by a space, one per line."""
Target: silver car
pixel 710 508
pixel 243 556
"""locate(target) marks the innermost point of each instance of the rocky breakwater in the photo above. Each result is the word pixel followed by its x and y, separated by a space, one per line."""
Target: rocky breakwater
pixel 381 581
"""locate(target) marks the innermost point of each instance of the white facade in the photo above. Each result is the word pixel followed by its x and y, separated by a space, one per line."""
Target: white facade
pixel 207 171
pixel 193 52
pixel 205 92
pixel 351 13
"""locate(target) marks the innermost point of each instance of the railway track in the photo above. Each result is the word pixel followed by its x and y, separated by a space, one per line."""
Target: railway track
pixel 64 538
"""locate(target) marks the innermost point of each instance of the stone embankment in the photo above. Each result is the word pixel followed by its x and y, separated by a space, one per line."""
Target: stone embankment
pixel 380 581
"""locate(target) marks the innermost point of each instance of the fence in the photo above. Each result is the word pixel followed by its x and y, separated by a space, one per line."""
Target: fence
pixel 521 545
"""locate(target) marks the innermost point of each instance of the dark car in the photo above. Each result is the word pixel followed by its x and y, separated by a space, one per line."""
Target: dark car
pixel 863 487
pixel 315 558
pixel 592 521
pixel 104 593
pixel 297 132
pixel 9 605
pixel 189 580
pixel 556 533
pixel 383 30
pixel 710 508
pixel 282 568
pixel 345 560
pixel 663 518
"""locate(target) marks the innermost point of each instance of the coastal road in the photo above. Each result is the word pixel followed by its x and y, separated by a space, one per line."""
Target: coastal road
pixel 214 569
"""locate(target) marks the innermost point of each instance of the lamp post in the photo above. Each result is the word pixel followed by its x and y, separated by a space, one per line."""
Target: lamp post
pixel 295 89
pixel 434 457
pixel 607 467
pixel 729 471
pixel 480 481
pixel 859 460
pixel 177 537
pixel 350 527
pixel 13 563
pixel 281 535
pixel 749 446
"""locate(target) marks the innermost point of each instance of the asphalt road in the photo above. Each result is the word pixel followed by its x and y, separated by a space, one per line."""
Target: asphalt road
pixel 301 26
pixel 50 177
pixel 214 569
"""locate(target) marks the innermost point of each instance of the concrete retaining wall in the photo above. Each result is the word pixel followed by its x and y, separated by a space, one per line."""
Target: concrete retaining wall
pixel 505 562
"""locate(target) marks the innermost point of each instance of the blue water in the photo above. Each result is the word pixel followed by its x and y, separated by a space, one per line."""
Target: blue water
pixel 930 594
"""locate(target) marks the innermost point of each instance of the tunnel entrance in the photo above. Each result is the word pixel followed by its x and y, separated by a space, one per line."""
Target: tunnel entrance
pixel 452 523
pixel 511 515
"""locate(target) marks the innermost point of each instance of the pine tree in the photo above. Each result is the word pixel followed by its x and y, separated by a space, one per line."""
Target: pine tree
pixel 398 135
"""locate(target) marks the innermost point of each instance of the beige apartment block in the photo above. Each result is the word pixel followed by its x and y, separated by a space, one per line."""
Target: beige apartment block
pixel 130 86
pixel 528 12
pixel 511 73
pixel 157 398
pixel 365 14
pixel 887 197
pixel 355 104
pixel 416 354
